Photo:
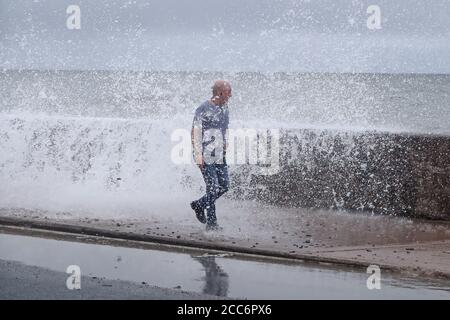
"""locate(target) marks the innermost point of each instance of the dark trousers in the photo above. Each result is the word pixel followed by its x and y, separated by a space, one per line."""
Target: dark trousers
pixel 217 183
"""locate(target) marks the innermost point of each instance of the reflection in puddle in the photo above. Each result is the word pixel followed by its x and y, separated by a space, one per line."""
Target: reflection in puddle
pixel 216 280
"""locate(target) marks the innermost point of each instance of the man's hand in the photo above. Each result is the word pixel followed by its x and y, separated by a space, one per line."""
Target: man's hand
pixel 200 162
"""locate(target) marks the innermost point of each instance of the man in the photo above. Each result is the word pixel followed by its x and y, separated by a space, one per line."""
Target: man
pixel 208 134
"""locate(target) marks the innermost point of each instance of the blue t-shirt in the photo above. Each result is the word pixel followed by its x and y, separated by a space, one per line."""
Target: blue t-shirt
pixel 210 116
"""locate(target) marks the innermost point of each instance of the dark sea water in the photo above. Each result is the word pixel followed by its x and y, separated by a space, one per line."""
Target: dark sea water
pixel 386 102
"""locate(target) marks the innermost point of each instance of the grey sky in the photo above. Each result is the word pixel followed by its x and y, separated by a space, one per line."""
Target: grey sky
pixel 228 35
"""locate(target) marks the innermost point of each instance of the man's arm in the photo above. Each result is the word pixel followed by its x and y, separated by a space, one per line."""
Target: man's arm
pixel 196 139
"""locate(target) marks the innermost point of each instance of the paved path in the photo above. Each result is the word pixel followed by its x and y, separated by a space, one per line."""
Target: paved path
pixel 414 247
pixel 19 281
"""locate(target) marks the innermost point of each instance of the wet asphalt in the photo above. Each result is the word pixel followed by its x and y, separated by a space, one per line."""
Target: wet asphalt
pixel 20 281
pixel 34 263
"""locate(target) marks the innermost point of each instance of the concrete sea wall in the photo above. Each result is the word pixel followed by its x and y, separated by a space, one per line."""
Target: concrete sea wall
pixel 385 173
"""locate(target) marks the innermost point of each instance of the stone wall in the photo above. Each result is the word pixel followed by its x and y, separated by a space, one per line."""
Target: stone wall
pixel 384 173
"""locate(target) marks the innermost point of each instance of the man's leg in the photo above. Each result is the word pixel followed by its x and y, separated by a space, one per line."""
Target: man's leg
pixel 223 180
pixel 221 186
pixel 210 176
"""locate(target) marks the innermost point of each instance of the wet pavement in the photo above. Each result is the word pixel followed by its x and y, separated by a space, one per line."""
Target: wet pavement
pixel 20 281
pixel 33 265
pixel 414 247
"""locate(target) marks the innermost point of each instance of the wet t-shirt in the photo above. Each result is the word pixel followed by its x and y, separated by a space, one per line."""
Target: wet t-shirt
pixel 209 116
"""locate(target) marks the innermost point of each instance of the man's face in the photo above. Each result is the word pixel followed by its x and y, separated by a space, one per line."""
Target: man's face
pixel 225 95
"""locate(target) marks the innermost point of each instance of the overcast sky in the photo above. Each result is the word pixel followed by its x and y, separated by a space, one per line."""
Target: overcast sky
pixel 228 35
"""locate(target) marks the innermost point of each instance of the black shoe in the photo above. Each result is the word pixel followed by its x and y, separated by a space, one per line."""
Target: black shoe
pixel 213 227
pixel 199 211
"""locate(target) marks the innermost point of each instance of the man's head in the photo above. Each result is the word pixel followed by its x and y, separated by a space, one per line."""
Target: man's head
pixel 221 92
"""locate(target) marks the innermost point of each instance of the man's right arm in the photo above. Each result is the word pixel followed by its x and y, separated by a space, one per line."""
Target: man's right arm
pixel 196 138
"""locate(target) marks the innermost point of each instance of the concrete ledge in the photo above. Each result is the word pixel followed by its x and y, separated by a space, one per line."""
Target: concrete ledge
pixel 70 228
pixel 345 256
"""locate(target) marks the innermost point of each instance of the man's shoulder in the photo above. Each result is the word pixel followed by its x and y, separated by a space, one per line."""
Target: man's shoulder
pixel 201 108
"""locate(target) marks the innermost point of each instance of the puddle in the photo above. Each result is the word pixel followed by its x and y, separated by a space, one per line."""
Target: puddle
pixel 200 271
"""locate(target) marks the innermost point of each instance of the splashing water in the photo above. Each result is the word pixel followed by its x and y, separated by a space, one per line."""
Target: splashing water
pixel 99 142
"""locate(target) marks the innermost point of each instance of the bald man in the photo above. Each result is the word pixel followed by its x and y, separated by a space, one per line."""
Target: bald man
pixel 209 129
